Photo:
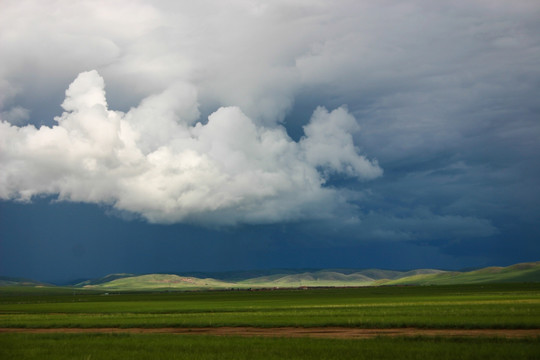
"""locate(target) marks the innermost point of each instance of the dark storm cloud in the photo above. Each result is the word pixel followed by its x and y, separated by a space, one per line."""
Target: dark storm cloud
pixel 444 97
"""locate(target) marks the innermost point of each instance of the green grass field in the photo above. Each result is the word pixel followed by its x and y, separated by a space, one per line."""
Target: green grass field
pixel 506 306
pixel 124 346
pixel 464 306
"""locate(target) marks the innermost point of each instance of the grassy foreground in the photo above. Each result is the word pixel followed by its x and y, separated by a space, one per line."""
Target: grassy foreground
pixel 504 306
pixel 463 306
pixel 124 346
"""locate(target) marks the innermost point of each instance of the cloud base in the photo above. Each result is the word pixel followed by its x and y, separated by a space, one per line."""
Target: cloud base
pixel 157 160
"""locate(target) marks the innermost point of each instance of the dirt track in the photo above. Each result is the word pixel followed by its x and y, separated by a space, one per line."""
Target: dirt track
pixel 322 332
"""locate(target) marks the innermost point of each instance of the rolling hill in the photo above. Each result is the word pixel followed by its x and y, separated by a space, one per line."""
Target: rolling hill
pixel 13 281
pixel 332 278
pixel 524 272
pixel 159 282
pixel 104 279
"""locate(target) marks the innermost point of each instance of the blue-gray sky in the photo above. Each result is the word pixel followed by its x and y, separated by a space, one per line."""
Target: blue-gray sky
pixel 170 136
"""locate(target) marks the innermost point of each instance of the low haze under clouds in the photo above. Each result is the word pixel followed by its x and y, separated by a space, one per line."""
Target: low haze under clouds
pixel 293 133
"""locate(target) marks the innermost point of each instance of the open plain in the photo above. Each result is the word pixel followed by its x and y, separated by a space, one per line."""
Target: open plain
pixel 422 321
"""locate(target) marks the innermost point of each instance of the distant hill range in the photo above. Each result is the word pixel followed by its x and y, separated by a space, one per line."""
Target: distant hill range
pixel 14 281
pixel 524 272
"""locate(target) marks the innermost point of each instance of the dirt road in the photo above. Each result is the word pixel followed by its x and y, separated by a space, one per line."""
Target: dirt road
pixel 321 332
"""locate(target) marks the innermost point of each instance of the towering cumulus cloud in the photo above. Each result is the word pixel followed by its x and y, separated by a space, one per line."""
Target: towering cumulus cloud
pixel 158 160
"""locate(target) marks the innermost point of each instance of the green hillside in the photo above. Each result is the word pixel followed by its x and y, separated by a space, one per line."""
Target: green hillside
pixel 525 272
pixel 12 281
pixel 319 278
pixel 105 279
pixel 159 281
pixel 333 278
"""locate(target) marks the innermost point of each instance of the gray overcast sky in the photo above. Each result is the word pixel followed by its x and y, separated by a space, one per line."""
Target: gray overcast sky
pixel 146 136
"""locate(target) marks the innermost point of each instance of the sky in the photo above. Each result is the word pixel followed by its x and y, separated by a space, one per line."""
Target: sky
pixel 178 136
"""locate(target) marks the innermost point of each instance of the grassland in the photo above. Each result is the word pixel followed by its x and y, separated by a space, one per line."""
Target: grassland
pixel 127 346
pixel 464 306
pixel 475 306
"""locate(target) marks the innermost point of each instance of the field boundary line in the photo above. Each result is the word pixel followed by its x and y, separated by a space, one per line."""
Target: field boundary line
pixel 313 332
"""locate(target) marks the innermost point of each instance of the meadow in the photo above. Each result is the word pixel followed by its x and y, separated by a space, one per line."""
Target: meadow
pixel 488 306
pixel 129 346
pixel 465 306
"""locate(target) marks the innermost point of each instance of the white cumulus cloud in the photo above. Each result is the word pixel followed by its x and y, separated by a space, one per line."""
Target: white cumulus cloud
pixel 159 161
pixel 206 87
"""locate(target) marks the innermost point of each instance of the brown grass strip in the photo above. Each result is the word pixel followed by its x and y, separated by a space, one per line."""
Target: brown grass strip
pixel 316 332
